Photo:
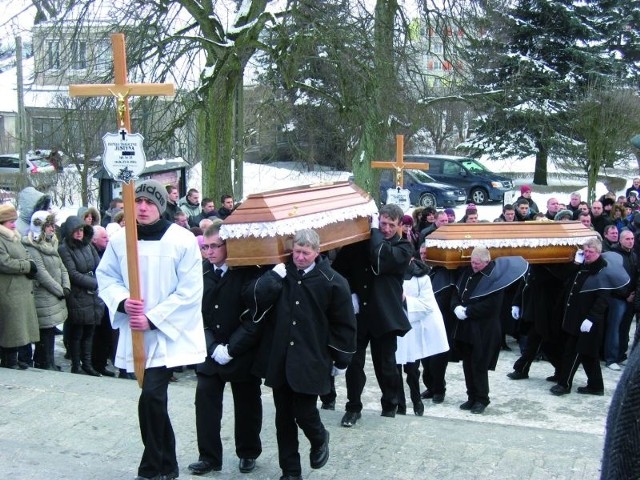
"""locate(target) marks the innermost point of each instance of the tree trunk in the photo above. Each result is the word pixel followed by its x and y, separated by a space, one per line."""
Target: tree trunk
pixel 373 143
pixel 542 157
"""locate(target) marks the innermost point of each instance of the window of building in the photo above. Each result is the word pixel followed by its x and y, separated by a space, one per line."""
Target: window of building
pixel 53 55
pixel 79 55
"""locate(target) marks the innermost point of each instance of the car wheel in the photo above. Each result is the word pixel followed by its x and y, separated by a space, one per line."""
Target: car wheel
pixel 479 196
pixel 428 200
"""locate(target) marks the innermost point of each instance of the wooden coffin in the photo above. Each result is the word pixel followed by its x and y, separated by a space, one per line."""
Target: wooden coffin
pixel 260 231
pixel 538 242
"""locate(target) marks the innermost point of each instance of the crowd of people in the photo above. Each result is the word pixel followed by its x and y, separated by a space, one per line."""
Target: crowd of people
pixel 299 324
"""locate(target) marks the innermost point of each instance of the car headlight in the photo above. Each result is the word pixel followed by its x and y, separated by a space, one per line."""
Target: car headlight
pixel 496 184
pixel 450 194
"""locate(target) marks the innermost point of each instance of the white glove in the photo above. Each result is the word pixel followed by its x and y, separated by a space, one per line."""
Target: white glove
pixel 356 303
pixel 579 258
pixel 461 312
pixel 280 269
pixel 375 220
pixel 515 312
pixel 586 326
pixel 336 372
pixel 221 355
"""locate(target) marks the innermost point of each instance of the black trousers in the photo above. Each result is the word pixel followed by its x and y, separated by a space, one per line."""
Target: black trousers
pixel 159 456
pixel 533 346
pixel 476 377
pixel 102 343
pixel 433 373
pixel 383 355
pixel 295 410
pixel 412 372
pixel 572 360
pixel 247 409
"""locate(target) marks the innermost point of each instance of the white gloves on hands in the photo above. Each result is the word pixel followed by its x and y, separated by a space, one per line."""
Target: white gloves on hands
pixel 461 312
pixel 281 270
pixel 579 258
pixel 355 301
pixel 375 220
pixel 515 312
pixel 221 355
pixel 586 326
pixel 336 372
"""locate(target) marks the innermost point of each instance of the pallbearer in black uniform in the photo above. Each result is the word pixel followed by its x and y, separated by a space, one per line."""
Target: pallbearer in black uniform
pixel 476 302
pixel 231 353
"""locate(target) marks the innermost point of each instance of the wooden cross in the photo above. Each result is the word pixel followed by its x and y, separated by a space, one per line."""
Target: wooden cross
pixel 400 165
pixel 122 90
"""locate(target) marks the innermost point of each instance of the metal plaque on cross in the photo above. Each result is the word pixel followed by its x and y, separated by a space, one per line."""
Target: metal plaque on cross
pixel 124 157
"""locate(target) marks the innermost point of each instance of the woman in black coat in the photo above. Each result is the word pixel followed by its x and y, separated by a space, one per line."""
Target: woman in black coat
pixel 84 306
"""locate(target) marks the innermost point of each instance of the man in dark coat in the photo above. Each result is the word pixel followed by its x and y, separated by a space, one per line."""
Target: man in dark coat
pixel 375 271
pixel 535 305
pixel 227 361
pixel 476 302
pixel 227 206
pixel 598 218
pixel 314 337
pixel 585 304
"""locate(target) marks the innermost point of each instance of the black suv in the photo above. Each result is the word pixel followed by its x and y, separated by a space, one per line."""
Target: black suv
pixel 480 184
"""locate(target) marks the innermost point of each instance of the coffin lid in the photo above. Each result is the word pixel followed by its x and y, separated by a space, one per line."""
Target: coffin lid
pixel 509 235
pixel 283 212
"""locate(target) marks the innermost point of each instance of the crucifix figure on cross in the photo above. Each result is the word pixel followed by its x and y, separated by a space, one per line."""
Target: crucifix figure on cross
pixel 400 165
pixel 121 90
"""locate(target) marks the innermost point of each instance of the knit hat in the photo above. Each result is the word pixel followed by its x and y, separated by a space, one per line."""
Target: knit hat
pixel 39 220
pixel 634 193
pixel 7 213
pixel 525 189
pixel 407 220
pixel 153 191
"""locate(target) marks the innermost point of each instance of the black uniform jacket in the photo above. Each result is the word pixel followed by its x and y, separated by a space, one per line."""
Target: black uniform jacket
pixel 222 307
pixel 309 325
pixel 586 298
pixel 375 271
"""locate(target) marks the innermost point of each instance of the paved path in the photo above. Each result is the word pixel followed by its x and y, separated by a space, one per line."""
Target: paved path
pixel 63 426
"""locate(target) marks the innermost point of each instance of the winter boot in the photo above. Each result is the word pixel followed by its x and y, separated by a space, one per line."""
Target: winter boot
pixel 47 343
pixel 87 364
pixel 10 359
pixel 74 353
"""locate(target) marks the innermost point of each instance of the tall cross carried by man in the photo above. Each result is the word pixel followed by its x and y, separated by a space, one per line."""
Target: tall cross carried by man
pixel 400 165
pixel 121 90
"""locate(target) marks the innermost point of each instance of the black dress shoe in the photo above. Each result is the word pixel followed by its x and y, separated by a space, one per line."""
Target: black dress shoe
pixel 517 375
pixel 438 398
pixel 318 456
pixel 104 372
pixel 401 410
pixel 559 390
pixel 389 413
pixel 426 394
pixel 418 408
pixel 467 405
pixel 590 391
pixel 246 465
pixel 478 407
pixel 328 405
pixel 350 418
pixel 202 467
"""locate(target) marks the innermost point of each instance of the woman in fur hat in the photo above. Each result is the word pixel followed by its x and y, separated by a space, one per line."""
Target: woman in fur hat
pixel 19 321
pixel 50 287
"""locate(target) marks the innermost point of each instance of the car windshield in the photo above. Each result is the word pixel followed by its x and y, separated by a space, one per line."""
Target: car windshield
pixel 473 166
pixel 422 177
pixel 38 162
